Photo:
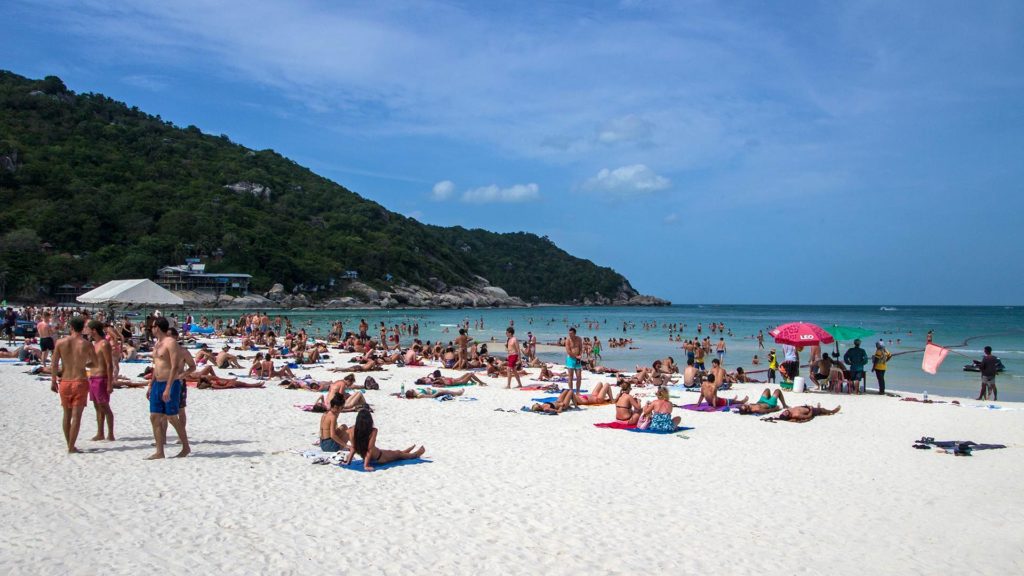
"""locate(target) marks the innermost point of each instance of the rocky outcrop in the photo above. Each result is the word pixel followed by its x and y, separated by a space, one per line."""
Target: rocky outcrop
pixel 9 161
pixel 361 295
pixel 245 187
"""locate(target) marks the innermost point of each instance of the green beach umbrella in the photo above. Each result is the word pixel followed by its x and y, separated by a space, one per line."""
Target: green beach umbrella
pixel 847 333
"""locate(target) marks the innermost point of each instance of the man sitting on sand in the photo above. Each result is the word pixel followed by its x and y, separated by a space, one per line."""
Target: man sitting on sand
pixel 690 374
pixel 709 389
pixel 741 377
pixel 351 401
pixel 332 435
pixel 227 360
pixel 766 404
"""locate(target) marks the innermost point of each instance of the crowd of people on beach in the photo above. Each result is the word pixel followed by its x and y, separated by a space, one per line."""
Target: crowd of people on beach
pixel 85 365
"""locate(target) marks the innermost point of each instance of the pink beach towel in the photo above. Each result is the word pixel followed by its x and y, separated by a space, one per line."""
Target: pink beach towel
pixel 933 357
pixel 616 425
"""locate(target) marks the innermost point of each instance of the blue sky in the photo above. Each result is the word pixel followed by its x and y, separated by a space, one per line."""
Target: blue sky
pixel 712 152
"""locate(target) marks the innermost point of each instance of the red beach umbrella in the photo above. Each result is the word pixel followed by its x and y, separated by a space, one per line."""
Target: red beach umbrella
pixel 801 334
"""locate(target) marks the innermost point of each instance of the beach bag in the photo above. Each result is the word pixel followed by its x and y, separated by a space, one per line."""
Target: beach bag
pixel 370 383
pixel 644 423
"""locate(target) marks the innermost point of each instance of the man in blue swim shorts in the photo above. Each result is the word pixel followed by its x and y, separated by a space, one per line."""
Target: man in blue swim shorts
pixel 573 366
pixel 164 392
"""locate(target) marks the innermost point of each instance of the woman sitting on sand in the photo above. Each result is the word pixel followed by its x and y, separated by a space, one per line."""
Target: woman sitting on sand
pixel 256 369
pixel 660 413
pixel 627 409
pixel 364 442
pixel 766 404
pixel 546 373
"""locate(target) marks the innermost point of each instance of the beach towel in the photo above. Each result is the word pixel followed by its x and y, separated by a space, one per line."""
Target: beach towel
pixel 706 407
pixel 960 443
pixel 933 357
pixel 137 361
pixel 616 425
pixel 632 428
pixel 357 465
pixel 546 399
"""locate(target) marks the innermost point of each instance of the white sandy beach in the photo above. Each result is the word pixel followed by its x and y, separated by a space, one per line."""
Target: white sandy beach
pixel 509 493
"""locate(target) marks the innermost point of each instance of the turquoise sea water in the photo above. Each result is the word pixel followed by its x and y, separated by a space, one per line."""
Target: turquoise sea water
pixel 999 327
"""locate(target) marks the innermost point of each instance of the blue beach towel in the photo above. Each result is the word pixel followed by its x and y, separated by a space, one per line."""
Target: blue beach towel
pixel 357 465
pixel 678 429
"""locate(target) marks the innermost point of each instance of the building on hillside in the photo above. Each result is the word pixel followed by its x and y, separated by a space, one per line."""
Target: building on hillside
pixel 68 293
pixel 193 276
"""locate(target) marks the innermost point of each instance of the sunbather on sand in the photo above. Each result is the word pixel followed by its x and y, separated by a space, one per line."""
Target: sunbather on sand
pixel 371 365
pixel 353 400
pixel 436 379
pixel 801 414
pixel 766 404
pixel 364 442
pixel 564 402
pixel 709 393
pixel 227 360
pixel 627 408
pixel 546 374
pixel 207 378
pixel 332 435
pixel 660 412
pixel 741 377
pixel 602 394
pixel 125 382
pixel 413 394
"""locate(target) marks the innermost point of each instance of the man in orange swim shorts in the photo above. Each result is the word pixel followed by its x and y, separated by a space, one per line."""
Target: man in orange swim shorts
pixel 71 355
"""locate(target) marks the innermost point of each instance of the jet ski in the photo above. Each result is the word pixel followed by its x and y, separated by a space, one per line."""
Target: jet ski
pixel 973 367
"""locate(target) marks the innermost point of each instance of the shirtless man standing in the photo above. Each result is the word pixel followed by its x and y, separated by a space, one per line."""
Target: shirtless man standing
pixel 70 357
pixel 45 332
pixel 573 365
pixel 101 381
pixel 462 352
pixel 512 347
pixel 164 392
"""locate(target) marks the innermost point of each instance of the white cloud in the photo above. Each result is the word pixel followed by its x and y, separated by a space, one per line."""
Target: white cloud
pixel 629 128
pixel 516 193
pixel 150 82
pixel 443 190
pixel 635 179
pixel 671 218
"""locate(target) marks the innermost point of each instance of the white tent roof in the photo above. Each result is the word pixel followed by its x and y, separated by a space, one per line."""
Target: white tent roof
pixel 138 292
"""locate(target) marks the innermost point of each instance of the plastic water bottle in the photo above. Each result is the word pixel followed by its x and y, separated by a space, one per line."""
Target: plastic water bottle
pixel 403 389
pixel 925 395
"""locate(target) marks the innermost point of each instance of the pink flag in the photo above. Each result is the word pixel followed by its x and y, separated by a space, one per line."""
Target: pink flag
pixel 933 357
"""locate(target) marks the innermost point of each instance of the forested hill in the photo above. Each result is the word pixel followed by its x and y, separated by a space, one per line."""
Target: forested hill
pixel 91 189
